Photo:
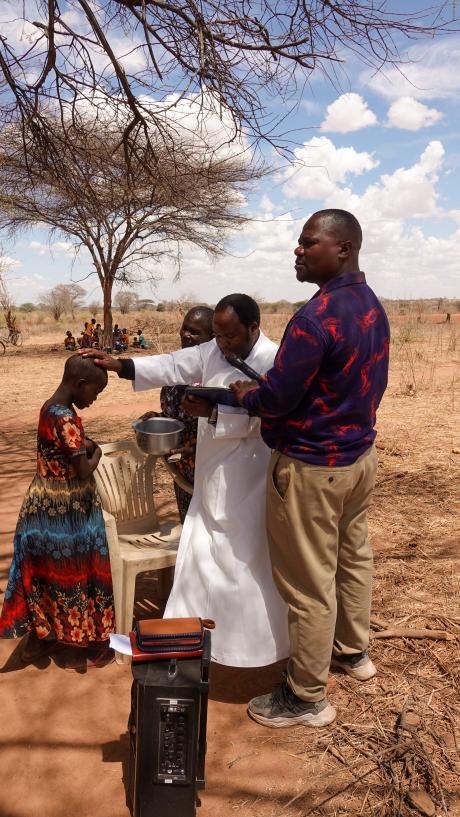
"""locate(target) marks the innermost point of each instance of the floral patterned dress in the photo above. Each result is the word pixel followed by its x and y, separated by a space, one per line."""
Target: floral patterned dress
pixel 60 581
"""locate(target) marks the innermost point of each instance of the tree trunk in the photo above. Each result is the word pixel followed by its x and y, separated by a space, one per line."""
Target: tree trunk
pixel 107 291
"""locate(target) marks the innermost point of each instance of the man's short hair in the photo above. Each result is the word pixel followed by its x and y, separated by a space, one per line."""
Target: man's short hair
pixel 203 313
pixel 344 223
pixel 245 307
pixel 83 368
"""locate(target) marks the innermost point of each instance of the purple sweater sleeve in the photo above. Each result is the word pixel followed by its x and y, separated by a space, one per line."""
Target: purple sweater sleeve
pixel 296 364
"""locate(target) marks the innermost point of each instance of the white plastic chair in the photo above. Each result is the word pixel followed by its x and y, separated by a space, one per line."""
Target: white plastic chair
pixel 137 542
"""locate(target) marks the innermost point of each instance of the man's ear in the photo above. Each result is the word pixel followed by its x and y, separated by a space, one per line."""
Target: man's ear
pixel 81 382
pixel 345 249
pixel 254 327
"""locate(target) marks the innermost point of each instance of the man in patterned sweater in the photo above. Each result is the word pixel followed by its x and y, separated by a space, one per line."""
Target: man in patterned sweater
pixel 318 407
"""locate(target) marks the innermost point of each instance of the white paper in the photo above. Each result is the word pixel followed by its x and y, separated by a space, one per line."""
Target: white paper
pixel 121 643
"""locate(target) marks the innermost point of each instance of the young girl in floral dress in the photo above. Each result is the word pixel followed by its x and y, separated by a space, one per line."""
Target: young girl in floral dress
pixel 60 585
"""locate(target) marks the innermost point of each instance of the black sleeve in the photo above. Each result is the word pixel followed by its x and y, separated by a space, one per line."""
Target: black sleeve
pixel 127 369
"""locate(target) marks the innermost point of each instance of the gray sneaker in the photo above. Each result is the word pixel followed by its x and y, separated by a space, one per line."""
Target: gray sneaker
pixel 283 708
pixel 359 666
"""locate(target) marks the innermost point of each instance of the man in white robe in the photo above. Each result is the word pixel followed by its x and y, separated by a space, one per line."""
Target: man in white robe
pixel 223 566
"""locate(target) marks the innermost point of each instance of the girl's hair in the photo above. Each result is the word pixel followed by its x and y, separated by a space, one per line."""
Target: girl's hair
pixel 83 368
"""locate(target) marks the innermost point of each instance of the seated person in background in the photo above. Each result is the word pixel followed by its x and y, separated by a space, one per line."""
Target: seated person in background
pixel 97 336
pixel 141 339
pixel 87 335
pixel 196 328
pixel 121 341
pixel 70 343
pixel 116 338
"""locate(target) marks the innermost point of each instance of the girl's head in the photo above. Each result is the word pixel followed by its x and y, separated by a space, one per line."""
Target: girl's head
pixel 84 380
pixel 69 333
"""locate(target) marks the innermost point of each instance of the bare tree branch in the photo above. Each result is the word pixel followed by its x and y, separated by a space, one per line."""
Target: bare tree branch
pixel 232 56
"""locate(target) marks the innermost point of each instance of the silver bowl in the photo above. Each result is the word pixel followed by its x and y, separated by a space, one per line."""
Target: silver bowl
pixel 158 434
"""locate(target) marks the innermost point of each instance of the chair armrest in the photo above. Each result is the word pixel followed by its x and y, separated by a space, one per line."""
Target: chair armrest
pixel 111 532
pixel 109 521
pixel 178 478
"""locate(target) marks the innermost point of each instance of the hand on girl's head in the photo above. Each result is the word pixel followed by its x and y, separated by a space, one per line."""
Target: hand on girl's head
pixel 84 379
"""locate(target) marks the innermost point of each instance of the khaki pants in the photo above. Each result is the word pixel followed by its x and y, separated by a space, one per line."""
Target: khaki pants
pixel 321 561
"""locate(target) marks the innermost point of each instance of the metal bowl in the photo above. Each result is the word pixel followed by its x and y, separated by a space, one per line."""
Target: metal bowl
pixel 158 434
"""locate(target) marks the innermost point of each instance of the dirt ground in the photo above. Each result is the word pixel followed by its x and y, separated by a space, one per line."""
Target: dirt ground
pixel 64 742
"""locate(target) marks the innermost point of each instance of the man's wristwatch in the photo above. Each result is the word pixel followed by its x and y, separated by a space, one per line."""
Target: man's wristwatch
pixel 212 419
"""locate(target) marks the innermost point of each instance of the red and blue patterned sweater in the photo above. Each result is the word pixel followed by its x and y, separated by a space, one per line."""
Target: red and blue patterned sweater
pixel 318 403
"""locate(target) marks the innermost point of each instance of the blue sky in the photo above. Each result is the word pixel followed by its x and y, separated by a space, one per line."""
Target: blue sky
pixel 386 147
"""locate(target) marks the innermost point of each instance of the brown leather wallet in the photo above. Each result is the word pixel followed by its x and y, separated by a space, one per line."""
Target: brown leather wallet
pixel 160 639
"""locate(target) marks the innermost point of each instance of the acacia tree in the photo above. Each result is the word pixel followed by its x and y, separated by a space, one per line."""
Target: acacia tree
pixel 126 215
pixel 125 301
pixel 63 298
pixel 53 302
pixel 234 56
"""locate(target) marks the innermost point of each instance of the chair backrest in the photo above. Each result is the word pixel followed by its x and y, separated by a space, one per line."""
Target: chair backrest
pixel 125 480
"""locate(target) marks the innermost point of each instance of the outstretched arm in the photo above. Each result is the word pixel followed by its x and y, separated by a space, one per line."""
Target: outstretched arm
pixel 152 371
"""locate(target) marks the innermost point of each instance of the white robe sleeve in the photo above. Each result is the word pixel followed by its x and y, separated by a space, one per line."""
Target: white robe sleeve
pixel 177 368
pixel 234 423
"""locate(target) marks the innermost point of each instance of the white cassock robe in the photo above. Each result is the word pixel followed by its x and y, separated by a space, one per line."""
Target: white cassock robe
pixel 223 566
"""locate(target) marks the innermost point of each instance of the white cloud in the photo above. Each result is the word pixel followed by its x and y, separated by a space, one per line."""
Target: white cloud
pixel 406 193
pixel 429 71
pixel 7 263
pixel 200 122
pixel 409 114
pixel 310 106
pixel 400 258
pixel 319 166
pixel 348 113
pixel 24 288
pixel 403 261
pixel 266 204
pixel 21 33
pixel 399 210
pixel 40 248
